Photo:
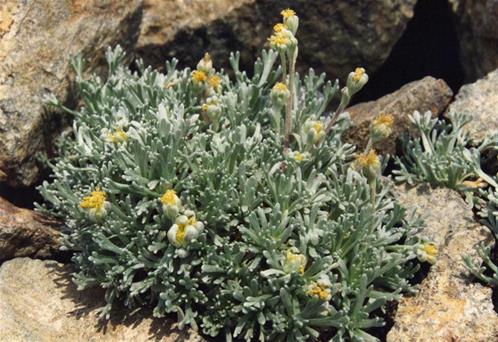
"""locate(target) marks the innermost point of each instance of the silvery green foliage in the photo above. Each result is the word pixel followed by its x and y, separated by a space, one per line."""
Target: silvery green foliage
pixel 441 156
pixel 235 279
pixel 488 212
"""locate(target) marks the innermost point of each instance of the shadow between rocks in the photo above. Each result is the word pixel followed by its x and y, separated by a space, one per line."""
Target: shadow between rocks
pixel 87 302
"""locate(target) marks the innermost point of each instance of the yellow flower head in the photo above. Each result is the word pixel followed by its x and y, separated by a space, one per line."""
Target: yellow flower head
pixel 294 261
pixel 427 252
pixel 199 76
pixel 185 229
pixel 279 40
pixel 384 119
pixel 286 13
pixel 358 73
pixel 382 126
pixel 169 198
pixel 214 81
pixel 279 27
pixel 318 127
pixel 118 136
pixel 298 156
pixel 281 87
pixel 367 161
pixel 95 201
pixel 320 289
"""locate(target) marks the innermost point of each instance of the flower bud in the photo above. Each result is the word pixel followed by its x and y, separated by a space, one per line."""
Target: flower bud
pixel 356 80
pixel 382 127
pixel 427 252
pixel 294 261
pixel 205 64
pixel 279 94
pixel 291 20
pixel 368 163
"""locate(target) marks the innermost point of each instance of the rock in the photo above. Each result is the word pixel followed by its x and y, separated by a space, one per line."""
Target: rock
pixel 39 303
pixel 36 40
pixel 24 232
pixel 447 306
pixel 427 94
pixel 479 100
pixel 334 36
pixel 477 25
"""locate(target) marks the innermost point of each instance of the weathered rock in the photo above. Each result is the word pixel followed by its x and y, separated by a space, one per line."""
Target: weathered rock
pixel 24 232
pixel 447 306
pixel 36 40
pixel 427 94
pixel 334 36
pixel 479 100
pixel 477 27
pixel 39 303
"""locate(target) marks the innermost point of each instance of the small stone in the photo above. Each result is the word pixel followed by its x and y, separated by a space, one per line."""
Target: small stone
pixel 448 306
pixel 480 101
pixel 39 303
pixel 24 232
pixel 427 94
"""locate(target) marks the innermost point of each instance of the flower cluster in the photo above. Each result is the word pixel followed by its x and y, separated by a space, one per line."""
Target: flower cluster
pixel 233 201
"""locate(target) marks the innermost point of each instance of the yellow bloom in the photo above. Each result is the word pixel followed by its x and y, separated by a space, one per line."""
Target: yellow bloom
pixel 199 76
pixel 294 261
pixel 320 289
pixel 95 204
pixel 214 81
pixel 169 198
pixel 118 136
pixel 95 201
pixel 315 129
pixel 286 13
pixel 298 156
pixel 281 87
pixel 185 229
pixel 367 161
pixel 279 41
pixel 358 73
pixel 205 64
pixel 279 27
pixel 427 252
pixel 382 126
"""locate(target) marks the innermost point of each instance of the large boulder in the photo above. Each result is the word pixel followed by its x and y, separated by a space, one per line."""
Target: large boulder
pixel 39 303
pixel 36 40
pixel 24 232
pixel 447 306
pixel 334 36
pixel 480 101
pixel 477 27
pixel 427 94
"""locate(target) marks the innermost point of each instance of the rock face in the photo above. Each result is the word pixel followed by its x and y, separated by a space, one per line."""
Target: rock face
pixel 24 232
pixel 447 306
pixel 427 94
pixel 479 100
pixel 477 25
pixel 334 36
pixel 36 40
pixel 39 303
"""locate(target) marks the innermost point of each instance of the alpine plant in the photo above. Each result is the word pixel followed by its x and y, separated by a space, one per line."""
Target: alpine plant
pixel 231 200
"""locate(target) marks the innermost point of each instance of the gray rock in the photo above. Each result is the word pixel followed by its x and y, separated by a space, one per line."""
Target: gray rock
pixel 427 94
pixel 447 306
pixel 334 36
pixel 24 233
pixel 479 100
pixel 39 303
pixel 36 40
pixel 477 27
